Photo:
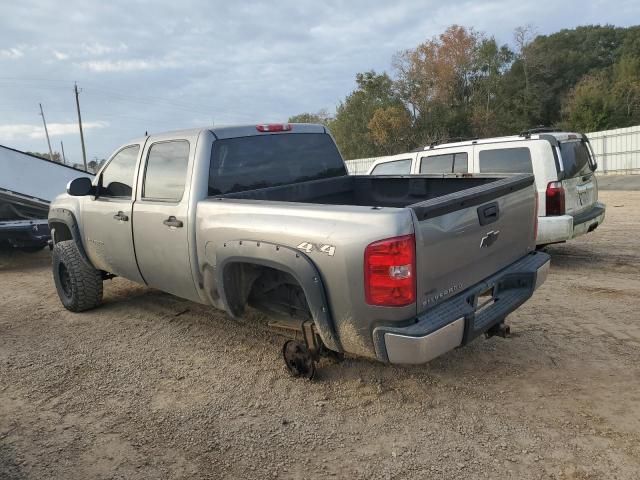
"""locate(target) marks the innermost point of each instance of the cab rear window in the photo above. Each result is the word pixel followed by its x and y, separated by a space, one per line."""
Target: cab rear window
pixel 575 158
pixel 261 161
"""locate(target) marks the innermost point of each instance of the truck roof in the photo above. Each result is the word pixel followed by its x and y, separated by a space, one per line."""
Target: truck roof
pixel 231 131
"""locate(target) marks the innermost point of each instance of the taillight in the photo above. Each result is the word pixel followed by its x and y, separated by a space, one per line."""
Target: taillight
pixel 389 272
pixel 274 127
pixel 535 218
pixel 555 199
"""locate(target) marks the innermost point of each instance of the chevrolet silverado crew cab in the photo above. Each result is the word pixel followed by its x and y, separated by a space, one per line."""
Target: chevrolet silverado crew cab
pixel 401 269
pixel 563 164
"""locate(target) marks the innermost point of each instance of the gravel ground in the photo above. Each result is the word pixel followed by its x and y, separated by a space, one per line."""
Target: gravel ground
pixel 151 386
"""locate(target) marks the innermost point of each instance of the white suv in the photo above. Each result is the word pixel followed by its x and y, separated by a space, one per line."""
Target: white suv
pixel 562 162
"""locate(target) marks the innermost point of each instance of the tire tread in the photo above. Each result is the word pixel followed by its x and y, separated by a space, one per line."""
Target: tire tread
pixel 86 281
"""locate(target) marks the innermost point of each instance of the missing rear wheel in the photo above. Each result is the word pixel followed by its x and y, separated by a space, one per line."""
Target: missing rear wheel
pixel 298 359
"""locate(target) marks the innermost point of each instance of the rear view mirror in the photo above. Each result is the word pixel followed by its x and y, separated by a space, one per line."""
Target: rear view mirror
pixel 79 187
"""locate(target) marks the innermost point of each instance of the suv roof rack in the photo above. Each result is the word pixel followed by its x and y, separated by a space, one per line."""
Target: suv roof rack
pixel 446 140
pixel 538 129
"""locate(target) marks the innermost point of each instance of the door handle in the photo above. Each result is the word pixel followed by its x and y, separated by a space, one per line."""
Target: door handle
pixel 121 216
pixel 488 213
pixel 173 222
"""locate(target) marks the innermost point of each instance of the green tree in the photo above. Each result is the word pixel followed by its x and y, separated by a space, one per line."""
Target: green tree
pixel 588 106
pixel 390 129
pixel 491 63
pixel 56 156
pixel 322 117
pixel 436 80
pixel 350 127
pixel 626 91
pixel 606 99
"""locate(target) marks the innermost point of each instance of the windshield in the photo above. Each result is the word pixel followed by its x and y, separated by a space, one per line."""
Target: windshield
pixel 260 161
pixel 576 158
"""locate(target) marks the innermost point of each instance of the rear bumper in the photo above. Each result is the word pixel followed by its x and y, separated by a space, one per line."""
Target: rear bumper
pixel 459 320
pixel 565 227
pixel 588 221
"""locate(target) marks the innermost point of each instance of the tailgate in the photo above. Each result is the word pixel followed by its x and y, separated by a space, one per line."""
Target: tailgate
pixel 465 237
pixel 581 193
pixel 579 182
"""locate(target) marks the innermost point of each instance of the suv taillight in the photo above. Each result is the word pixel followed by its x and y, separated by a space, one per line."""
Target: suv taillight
pixel 389 272
pixel 555 199
pixel 535 218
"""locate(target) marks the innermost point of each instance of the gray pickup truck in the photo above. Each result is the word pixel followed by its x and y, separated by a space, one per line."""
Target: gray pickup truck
pixel 401 269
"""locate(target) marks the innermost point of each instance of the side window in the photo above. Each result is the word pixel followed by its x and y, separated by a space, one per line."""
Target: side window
pixel 117 177
pixel 437 164
pixel 447 163
pixel 506 160
pixel 461 163
pixel 166 171
pixel 397 167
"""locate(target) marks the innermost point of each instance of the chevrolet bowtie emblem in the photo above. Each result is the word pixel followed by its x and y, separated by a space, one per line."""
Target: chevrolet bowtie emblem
pixel 489 239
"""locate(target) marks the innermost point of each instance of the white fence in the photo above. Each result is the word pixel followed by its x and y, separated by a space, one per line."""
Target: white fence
pixel 359 166
pixel 617 152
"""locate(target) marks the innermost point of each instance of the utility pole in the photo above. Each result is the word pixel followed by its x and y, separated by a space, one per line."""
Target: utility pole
pixel 64 158
pixel 84 152
pixel 46 132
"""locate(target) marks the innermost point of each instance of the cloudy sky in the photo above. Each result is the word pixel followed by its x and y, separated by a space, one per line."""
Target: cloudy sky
pixel 155 66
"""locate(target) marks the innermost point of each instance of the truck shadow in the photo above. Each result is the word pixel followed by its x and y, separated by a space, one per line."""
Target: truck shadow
pixel 9 465
pixel 573 257
pixel 12 259
pixel 165 314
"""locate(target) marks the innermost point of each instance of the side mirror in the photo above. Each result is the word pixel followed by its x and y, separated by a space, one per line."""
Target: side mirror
pixel 79 187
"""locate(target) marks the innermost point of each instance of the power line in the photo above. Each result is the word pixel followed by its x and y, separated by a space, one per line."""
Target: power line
pixel 89 87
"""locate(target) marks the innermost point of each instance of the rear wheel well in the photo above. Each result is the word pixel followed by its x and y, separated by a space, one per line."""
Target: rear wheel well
pixel 270 290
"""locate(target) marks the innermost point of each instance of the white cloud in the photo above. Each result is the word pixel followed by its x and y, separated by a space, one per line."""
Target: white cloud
pixel 97 49
pixel 24 131
pixel 127 65
pixel 11 53
pixel 60 55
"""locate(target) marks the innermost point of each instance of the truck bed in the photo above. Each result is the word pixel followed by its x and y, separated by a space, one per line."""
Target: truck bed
pixel 366 190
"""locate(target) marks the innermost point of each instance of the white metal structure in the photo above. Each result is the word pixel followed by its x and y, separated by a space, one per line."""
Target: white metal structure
pixel 360 166
pixel 28 183
pixel 560 161
pixel 617 151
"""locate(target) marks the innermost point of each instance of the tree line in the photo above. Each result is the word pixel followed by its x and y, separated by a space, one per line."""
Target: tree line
pixel 463 84
pixel 92 165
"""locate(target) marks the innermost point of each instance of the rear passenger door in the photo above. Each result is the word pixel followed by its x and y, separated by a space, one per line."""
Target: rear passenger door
pixel 161 221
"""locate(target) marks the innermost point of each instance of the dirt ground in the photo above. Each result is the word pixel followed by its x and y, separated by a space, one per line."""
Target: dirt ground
pixel 151 386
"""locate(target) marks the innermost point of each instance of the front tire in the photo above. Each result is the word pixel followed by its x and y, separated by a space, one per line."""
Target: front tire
pixel 79 285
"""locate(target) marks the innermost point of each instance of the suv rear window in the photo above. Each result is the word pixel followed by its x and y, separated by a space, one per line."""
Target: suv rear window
pixel 575 158
pixel 261 161
pixel 506 160
pixel 396 167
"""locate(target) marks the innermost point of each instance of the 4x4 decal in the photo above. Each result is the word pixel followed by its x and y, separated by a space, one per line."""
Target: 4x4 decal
pixel 309 247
